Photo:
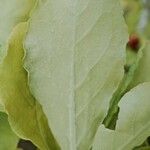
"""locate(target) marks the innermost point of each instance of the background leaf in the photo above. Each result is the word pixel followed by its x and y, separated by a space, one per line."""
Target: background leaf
pixel 133 125
pixel 12 13
pixel 8 140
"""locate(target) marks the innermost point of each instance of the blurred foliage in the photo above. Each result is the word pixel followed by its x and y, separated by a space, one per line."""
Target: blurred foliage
pixel 132 13
pixel 8 140
pixel 137 17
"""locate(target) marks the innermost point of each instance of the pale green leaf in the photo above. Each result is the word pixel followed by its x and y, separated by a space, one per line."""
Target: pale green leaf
pixel 132 63
pixel 133 125
pixel 75 53
pixel 8 140
pixel 24 112
pixel 12 12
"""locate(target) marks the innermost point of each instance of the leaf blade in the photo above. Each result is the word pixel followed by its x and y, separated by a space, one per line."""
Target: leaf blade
pixel 133 122
pixel 25 114
pixel 65 77
pixel 8 140
pixel 12 13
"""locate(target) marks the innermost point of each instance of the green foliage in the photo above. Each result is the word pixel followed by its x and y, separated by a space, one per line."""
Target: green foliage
pixel 64 67
pixel 24 112
pixel 133 125
pixel 69 77
pixel 8 140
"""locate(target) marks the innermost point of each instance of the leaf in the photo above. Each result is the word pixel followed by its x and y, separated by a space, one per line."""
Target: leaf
pixel 75 53
pixel 25 114
pixel 132 63
pixel 8 140
pixel 12 12
pixel 133 125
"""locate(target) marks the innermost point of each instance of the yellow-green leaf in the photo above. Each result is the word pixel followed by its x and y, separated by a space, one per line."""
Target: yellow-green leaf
pixel 25 114
pixel 8 139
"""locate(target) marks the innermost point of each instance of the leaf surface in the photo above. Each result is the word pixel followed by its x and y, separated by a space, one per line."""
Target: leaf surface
pixel 25 114
pixel 12 12
pixel 75 52
pixel 8 140
pixel 133 125
pixel 133 61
